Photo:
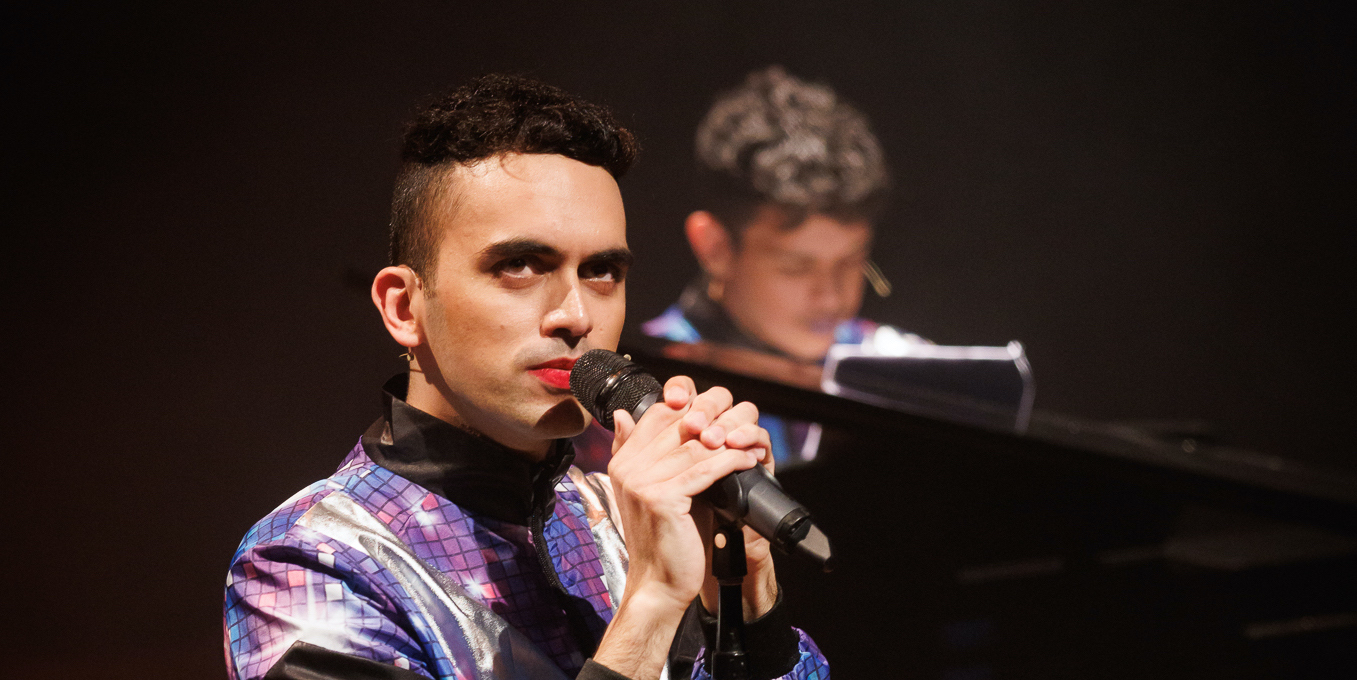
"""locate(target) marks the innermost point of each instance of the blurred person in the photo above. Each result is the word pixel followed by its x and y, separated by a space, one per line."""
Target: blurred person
pixel 790 180
pixel 456 540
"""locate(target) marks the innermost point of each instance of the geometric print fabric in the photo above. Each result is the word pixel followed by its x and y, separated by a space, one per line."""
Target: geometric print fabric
pixel 290 583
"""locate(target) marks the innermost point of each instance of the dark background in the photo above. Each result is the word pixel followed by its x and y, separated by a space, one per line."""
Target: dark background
pixel 1156 198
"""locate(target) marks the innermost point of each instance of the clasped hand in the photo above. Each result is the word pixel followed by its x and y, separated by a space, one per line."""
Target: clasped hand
pixel 660 466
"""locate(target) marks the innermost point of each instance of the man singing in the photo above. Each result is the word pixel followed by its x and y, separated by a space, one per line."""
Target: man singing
pixel 455 540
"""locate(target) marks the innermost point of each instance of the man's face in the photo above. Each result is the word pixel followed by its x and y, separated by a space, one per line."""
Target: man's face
pixel 791 288
pixel 529 276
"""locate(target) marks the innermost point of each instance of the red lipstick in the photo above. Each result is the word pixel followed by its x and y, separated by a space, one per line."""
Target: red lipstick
pixel 555 373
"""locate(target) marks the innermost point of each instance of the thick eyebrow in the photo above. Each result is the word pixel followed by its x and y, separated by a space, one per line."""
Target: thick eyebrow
pixel 618 257
pixel 518 247
pixel 866 249
pixel 526 247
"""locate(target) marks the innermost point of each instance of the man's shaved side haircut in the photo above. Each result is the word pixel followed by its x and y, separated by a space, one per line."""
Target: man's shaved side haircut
pixel 778 140
pixel 491 116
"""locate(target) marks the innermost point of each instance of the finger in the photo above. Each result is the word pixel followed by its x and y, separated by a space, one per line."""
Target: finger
pixel 705 410
pixel 732 420
pixel 748 436
pixel 753 538
pixel 623 426
pixel 702 475
pixel 662 466
pixel 713 437
pixel 657 419
pixel 738 415
pixel 678 391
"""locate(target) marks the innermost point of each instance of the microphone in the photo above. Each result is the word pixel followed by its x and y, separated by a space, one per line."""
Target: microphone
pixel 605 381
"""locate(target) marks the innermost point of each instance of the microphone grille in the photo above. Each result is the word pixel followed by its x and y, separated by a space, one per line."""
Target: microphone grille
pixel 591 373
pixel 629 392
pixel 590 376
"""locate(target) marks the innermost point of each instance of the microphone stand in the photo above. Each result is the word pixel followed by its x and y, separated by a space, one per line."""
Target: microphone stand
pixel 727 660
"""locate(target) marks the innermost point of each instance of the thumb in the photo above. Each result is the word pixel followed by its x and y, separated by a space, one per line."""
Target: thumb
pixel 622 428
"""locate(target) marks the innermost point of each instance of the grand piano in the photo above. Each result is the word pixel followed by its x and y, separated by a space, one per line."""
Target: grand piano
pixel 1076 549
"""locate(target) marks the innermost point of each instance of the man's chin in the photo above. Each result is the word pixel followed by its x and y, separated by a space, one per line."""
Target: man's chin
pixel 809 348
pixel 566 419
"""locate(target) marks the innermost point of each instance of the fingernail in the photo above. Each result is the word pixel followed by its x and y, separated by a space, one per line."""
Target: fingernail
pixel 698 420
pixel 714 436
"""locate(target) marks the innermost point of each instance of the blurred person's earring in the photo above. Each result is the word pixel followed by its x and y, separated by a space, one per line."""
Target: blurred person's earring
pixel 716 289
pixel 876 278
pixel 409 354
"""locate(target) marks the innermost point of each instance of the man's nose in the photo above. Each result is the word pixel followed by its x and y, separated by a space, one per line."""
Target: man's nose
pixel 569 316
pixel 828 290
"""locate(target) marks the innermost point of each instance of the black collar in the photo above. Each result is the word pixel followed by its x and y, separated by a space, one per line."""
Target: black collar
pixel 466 468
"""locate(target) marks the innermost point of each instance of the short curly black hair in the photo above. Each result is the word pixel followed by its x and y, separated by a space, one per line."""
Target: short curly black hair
pixel 778 140
pixel 492 115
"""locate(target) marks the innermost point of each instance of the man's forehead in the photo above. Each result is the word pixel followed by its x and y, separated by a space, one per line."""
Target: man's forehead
pixel 528 237
pixel 551 200
pixel 818 237
pixel 518 174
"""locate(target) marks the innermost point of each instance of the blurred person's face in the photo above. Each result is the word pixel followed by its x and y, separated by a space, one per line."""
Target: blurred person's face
pixel 790 288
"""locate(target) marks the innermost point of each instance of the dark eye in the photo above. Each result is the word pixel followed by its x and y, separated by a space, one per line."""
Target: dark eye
pixel 601 271
pixel 518 266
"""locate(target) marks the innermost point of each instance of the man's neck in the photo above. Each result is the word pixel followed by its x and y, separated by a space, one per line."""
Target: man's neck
pixel 472 471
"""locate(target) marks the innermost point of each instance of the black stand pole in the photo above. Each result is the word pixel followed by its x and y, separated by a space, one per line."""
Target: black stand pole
pixel 728 661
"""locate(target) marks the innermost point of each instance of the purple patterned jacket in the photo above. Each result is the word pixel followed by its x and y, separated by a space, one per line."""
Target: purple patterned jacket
pixel 370 574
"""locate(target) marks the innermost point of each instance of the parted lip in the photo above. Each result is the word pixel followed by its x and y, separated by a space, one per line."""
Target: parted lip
pixel 563 363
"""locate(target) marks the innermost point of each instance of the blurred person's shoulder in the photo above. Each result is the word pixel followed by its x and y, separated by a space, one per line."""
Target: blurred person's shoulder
pixel 672 325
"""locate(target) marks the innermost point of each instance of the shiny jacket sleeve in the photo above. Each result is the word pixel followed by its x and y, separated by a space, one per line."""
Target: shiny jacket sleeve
pixel 302 606
pixel 807 663
pixel 774 649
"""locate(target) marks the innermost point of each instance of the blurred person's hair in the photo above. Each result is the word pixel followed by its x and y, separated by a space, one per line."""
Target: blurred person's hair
pixel 778 140
pixel 488 117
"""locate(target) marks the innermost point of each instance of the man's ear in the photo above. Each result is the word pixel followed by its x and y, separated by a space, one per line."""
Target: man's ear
pixel 711 244
pixel 399 296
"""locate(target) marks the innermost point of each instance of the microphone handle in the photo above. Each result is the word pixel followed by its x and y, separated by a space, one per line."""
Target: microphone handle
pixel 752 497
pixel 755 497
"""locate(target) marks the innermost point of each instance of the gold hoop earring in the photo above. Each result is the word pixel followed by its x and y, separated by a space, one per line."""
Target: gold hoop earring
pixel 716 289
pixel 876 278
